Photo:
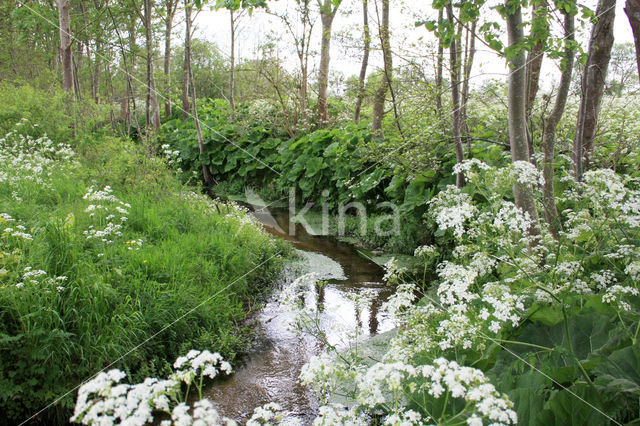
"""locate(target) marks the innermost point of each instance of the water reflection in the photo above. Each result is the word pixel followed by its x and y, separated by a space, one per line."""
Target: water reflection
pixel 272 369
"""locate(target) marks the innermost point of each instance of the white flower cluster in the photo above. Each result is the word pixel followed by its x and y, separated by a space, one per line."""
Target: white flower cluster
pixel 425 251
pixel 172 156
pixel 204 414
pixel 26 159
pixel 400 302
pixel 616 293
pixel 470 168
pixel 505 306
pixel 338 415
pixel 511 218
pixel 17 230
pixel 105 401
pixel 199 362
pixel 267 415
pixel 451 209
pixel 526 173
pixel 111 208
pixel 392 271
pixel 471 385
pixel 38 277
pixel 383 384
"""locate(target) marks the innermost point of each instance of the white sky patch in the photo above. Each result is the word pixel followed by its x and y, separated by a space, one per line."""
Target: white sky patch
pixel 408 42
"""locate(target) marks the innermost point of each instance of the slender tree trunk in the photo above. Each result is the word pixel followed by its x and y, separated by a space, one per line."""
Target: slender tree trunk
pixel 168 28
pixel 454 64
pixel 593 79
pixel 328 11
pixel 133 48
pixel 439 66
pixel 186 106
pixel 523 193
pixel 535 57
pixel 232 77
pixel 153 108
pixel 632 9
pixel 381 93
pixel 95 75
pixel 470 49
pixel 130 92
pixel 365 60
pixel 534 64
pixel 206 174
pixel 304 67
pixel 64 21
pixel 551 124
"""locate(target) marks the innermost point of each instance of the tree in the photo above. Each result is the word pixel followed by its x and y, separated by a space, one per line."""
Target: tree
pixel 439 66
pixel 523 193
pixel 328 9
pixel 366 38
pixel 302 42
pixel 64 21
pixel 454 67
pixel 153 108
pixel 632 9
pixel 206 174
pixel 170 11
pixel 593 80
pixel 385 83
pixel 551 123
pixel 470 51
pixel 232 70
pixel 539 34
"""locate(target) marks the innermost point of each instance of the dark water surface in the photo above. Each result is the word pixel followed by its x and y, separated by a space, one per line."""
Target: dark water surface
pixel 270 373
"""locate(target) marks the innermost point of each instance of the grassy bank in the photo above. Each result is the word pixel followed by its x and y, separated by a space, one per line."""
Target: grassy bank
pixel 106 258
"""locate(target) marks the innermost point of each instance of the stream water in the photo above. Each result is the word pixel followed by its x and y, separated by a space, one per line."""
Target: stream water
pixel 271 370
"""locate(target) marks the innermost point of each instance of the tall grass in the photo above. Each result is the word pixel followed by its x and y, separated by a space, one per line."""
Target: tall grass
pixel 181 275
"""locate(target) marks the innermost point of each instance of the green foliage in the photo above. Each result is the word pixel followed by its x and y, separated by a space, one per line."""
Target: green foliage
pixel 179 276
pixel 333 166
pixel 50 111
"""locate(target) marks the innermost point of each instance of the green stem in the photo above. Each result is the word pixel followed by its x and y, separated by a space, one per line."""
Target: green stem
pixel 573 354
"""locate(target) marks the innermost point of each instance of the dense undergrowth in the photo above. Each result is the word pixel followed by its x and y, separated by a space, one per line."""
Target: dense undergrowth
pixel 327 166
pixel 107 260
pixel 515 328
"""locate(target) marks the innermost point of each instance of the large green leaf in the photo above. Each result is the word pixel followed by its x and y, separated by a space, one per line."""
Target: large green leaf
pixel 620 371
pixel 579 405
pixel 313 166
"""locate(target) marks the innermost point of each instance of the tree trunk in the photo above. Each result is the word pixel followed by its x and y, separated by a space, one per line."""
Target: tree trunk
pixel 593 80
pixel 523 193
pixel 381 93
pixel 206 174
pixel 64 21
pixel 632 9
pixel 439 61
pixel 327 14
pixel 470 49
pixel 534 64
pixel 186 106
pixel 454 64
pixel 232 77
pixel 133 48
pixel 153 108
pixel 171 10
pixel 551 124
pixel 365 60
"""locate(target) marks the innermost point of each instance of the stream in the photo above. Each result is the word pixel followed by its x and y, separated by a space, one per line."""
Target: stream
pixel 271 369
